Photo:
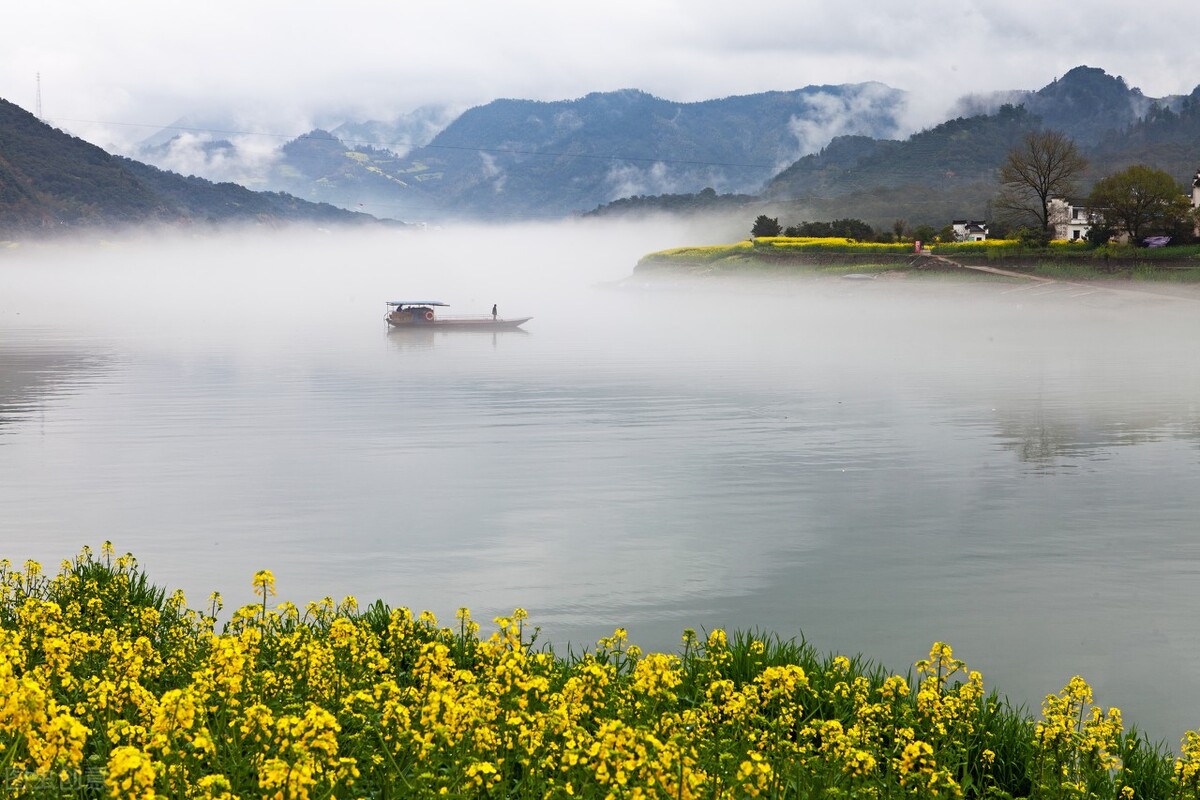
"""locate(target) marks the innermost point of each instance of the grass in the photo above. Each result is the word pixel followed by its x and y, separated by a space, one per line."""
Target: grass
pixel 1065 260
pixel 112 687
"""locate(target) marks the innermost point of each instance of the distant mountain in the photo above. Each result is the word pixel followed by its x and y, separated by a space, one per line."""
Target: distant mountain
pixel 545 159
pixel 1086 104
pixel 401 134
pixel 320 167
pixel 52 181
pixel 191 125
pixel 220 149
pixel 521 157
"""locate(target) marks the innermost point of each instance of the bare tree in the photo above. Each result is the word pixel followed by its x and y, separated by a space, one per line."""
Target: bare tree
pixel 1045 165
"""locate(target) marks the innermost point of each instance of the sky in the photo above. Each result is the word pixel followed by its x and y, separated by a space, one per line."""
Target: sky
pixel 115 72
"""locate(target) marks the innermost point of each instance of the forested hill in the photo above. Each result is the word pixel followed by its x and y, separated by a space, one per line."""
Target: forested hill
pixel 954 152
pixel 1086 104
pixel 949 170
pixel 51 181
pixel 1166 138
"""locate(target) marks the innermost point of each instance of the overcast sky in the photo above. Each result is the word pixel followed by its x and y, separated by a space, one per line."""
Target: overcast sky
pixel 116 70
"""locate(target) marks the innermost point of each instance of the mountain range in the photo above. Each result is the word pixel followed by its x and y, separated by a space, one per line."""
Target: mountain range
pixel 523 158
pixel 822 152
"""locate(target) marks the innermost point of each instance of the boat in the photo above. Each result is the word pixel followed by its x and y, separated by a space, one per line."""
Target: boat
pixel 422 315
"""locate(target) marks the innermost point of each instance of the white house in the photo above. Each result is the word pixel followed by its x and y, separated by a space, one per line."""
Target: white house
pixel 971 231
pixel 1070 220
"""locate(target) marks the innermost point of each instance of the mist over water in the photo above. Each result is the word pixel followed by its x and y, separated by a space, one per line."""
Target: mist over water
pixel 873 464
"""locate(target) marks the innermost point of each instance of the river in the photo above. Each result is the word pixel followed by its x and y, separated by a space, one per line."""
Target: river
pixel 872 465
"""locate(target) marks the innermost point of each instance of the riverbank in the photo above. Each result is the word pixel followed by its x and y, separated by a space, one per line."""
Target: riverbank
pixel 1066 261
pixel 110 682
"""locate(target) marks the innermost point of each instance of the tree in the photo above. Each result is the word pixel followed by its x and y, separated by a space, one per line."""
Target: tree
pixel 765 226
pixel 1033 238
pixel 924 234
pixel 852 228
pixel 848 228
pixel 1045 165
pixel 1099 233
pixel 1142 201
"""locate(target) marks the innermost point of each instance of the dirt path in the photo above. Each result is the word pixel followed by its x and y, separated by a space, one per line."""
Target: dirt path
pixel 1173 291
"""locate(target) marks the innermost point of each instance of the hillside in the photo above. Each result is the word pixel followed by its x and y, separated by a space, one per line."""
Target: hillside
pixel 51 181
pixel 945 172
pixel 1165 139
pixel 319 167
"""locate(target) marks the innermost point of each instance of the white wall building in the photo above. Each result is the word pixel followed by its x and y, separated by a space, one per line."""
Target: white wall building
pixel 971 231
pixel 1069 220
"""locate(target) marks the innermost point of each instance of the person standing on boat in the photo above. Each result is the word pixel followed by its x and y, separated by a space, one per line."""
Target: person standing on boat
pixel 493 312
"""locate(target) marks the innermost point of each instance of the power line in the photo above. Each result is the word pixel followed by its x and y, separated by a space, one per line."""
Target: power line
pixel 468 148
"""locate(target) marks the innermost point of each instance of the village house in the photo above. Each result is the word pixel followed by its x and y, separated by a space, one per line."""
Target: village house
pixel 1071 220
pixel 972 231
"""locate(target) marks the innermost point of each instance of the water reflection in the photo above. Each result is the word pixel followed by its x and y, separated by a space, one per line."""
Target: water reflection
pixel 1050 438
pixel 418 338
pixel 33 374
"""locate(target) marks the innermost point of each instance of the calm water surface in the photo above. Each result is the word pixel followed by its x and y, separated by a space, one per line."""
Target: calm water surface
pixel 874 465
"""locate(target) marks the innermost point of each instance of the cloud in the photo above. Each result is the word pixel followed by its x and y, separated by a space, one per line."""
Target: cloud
pixel 240 159
pixel 627 180
pixel 116 71
pixel 493 172
pixel 831 115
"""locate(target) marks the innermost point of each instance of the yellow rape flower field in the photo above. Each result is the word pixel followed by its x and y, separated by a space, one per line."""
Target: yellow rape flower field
pixel 110 687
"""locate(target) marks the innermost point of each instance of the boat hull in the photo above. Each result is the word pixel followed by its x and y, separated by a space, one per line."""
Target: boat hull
pixel 459 324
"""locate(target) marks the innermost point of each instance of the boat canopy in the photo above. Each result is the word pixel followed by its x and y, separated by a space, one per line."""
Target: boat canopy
pixel 399 303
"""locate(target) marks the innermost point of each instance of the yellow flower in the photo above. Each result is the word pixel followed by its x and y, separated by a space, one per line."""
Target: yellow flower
pixel 264 584
pixel 214 787
pixel 130 774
